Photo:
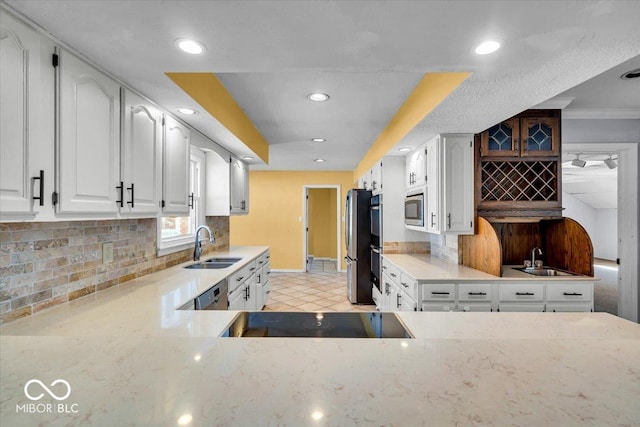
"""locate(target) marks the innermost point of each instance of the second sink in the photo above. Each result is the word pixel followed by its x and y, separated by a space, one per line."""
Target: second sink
pixel 545 271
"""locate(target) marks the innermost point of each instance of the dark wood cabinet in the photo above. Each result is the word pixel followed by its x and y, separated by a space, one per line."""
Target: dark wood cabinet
pixel 518 167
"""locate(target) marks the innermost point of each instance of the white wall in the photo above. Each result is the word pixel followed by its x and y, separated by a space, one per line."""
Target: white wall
pixel 600 224
pixel 581 212
pixel 605 244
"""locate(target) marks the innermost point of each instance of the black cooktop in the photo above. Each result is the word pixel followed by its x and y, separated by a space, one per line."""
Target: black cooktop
pixel 264 324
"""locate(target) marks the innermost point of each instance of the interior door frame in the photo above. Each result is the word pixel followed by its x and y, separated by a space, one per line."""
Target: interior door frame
pixel 628 221
pixel 305 224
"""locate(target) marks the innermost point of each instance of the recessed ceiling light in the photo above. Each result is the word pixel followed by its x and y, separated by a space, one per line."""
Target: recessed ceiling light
pixel 319 160
pixel 318 139
pixel 187 111
pixel 405 149
pixel 190 46
pixel 487 47
pixel 247 158
pixel 318 97
pixel 633 74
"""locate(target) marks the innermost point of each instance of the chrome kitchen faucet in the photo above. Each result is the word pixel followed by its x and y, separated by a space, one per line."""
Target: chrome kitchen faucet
pixel 198 247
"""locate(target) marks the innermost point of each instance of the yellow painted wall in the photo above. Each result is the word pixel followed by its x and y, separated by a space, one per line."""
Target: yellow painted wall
pixel 322 223
pixel 275 213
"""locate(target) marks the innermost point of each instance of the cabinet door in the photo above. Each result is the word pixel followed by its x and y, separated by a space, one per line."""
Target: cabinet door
pixel 26 118
pixel 141 155
pixel 409 171
pixel 501 140
pixel 457 202
pixel 237 298
pixel 251 287
pixel 406 303
pixel 89 139
pixel 540 136
pixel 175 185
pixel 421 167
pixel 239 187
pixel 376 178
pixel 432 153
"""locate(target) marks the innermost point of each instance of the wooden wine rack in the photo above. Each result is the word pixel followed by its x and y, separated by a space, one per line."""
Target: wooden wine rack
pixel 519 181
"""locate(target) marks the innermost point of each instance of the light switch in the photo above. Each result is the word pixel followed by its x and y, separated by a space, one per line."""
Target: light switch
pixel 107 252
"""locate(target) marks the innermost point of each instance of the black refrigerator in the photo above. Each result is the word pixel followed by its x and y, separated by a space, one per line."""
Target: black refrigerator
pixel 358 241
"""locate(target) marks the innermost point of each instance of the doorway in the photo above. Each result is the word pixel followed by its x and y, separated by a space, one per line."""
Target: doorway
pixel 322 228
pixel 613 230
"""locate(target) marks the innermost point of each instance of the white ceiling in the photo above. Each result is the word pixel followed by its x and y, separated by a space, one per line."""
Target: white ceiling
pixel 367 55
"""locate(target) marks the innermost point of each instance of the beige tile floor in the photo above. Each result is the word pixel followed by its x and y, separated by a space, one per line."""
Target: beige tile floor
pixel 320 289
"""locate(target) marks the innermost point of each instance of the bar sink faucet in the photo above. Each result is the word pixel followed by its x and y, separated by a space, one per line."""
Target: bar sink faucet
pixel 533 255
pixel 198 246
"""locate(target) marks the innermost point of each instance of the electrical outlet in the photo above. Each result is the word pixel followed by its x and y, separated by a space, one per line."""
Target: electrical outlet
pixel 107 252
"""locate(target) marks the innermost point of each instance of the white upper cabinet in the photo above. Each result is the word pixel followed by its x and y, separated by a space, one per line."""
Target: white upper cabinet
pixel 376 178
pixel 448 182
pixel 141 165
pixel 89 138
pixel 416 169
pixel 431 153
pixel 239 181
pixel 176 185
pixel 457 201
pixel 26 120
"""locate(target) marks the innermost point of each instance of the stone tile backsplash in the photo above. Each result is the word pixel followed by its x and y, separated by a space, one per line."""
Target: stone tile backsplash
pixel 405 248
pixel 44 264
pixel 445 247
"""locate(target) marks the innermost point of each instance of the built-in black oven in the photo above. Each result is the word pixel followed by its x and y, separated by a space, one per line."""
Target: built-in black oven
pixel 375 214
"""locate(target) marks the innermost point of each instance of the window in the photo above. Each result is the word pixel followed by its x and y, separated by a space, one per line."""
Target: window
pixel 177 232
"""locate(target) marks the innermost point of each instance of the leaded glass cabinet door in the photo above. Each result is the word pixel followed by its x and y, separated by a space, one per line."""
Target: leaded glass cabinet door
pixel 540 136
pixel 501 140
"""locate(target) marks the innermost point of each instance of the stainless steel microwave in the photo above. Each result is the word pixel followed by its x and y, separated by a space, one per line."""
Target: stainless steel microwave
pixel 414 210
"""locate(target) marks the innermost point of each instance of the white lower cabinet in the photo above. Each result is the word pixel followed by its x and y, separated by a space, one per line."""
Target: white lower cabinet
pixel 263 285
pixel 244 296
pixel 438 297
pixel 475 297
pixel 376 295
pixel 570 297
pixel 520 307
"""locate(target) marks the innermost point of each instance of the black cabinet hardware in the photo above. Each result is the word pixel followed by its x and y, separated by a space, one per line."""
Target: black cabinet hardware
pixel 40 198
pixel 191 200
pixel 477 293
pixel 120 188
pixel 131 201
pixel 525 294
pixel 572 294
pixel 439 293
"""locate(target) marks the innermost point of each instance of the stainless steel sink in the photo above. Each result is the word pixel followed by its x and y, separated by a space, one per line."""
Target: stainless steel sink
pixel 544 271
pixel 224 259
pixel 210 265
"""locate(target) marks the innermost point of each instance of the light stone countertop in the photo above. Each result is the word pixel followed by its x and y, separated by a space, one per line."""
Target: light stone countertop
pixel 131 359
pixel 427 268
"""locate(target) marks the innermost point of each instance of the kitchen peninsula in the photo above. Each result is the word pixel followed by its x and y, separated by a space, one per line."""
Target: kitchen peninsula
pixel 131 358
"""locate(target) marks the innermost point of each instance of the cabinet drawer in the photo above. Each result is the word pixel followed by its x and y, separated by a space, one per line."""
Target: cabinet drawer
pixel 409 285
pixel 237 278
pixel 474 292
pixel 569 291
pixel 514 307
pixel 391 270
pixel 434 306
pixel 266 291
pixel 439 292
pixel 524 292
pixel 262 259
pixel 474 306
pixel 582 307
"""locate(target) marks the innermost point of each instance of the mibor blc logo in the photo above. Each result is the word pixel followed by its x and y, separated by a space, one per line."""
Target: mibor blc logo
pixel 36 390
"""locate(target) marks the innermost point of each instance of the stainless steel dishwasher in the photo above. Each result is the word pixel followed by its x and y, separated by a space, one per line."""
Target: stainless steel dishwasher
pixel 214 298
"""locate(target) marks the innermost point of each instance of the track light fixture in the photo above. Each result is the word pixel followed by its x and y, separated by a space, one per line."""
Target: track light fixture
pixel 611 164
pixel 577 162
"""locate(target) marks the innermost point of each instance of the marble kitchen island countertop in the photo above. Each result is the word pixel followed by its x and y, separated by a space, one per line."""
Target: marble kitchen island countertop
pixel 130 358
pixel 427 268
